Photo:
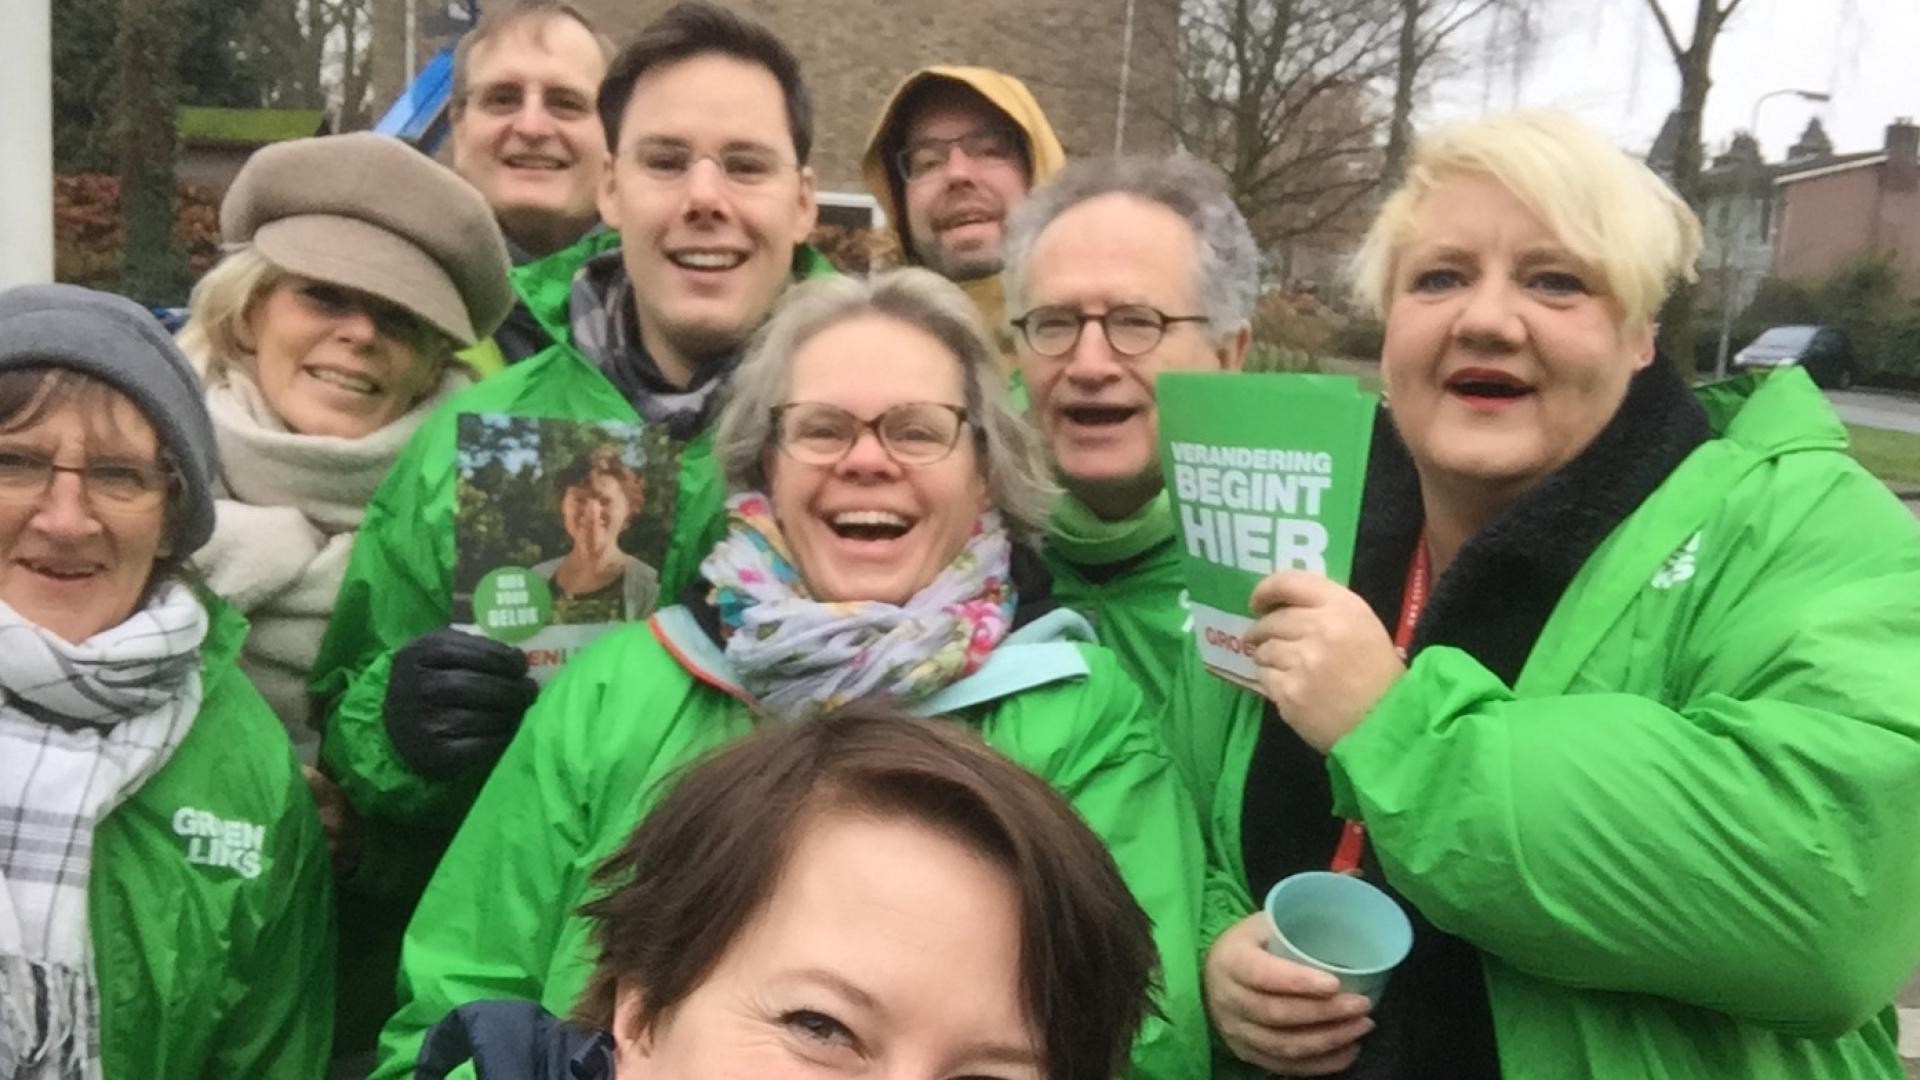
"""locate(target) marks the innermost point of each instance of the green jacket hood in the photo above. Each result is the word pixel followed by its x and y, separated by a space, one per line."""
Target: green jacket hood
pixel 1002 91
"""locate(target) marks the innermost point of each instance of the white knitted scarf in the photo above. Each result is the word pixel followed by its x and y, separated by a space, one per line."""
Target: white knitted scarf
pixel 289 507
pixel 81 728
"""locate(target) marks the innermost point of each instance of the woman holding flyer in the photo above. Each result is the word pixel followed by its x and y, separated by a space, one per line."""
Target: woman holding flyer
pixel 354 266
pixel 884 497
pixel 1642 765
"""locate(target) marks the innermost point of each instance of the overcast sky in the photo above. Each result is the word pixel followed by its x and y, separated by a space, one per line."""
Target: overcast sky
pixel 1605 60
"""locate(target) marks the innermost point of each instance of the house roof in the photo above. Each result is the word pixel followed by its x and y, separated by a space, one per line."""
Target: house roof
pixel 204 126
pixel 1837 164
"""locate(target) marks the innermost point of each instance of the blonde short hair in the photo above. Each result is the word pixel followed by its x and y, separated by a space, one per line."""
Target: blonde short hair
pixel 221 301
pixel 1010 454
pixel 219 305
pixel 1607 208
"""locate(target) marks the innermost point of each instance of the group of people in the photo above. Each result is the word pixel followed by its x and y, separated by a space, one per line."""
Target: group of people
pixel 902 762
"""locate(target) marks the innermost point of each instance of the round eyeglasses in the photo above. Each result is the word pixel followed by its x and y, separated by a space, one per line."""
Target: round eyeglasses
pixel 1131 329
pixel 915 433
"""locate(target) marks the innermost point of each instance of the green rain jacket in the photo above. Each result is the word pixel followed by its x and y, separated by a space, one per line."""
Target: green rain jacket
pixel 1140 613
pixel 1683 840
pixel 499 919
pixel 211 902
pixel 399 581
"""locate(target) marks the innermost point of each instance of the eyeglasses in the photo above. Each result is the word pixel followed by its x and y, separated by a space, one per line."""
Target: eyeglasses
pixel 391 321
pixel 109 485
pixel 507 99
pixel 916 433
pixel 924 157
pixel 667 162
pixel 1131 329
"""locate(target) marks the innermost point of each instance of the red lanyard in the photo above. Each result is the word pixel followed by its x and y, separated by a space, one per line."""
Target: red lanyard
pixel 1353 835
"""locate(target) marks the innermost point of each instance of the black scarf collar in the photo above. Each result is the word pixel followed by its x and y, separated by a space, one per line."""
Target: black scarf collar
pixel 1495 598
pixel 605 321
pixel 1435 1022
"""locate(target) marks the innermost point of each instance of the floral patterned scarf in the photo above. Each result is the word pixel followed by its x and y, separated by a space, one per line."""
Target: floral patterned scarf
pixel 801 657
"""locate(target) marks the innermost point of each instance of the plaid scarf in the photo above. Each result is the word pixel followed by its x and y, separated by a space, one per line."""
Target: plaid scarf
pixel 801 657
pixel 81 728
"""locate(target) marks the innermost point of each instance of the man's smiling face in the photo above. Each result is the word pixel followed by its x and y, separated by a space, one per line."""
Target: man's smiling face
pixel 957 211
pixel 708 253
pixel 527 134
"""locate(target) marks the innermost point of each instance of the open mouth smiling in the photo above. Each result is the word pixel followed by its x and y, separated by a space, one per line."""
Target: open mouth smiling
pixel 1486 385
pixel 869 525
pixel 61 569
pixel 538 162
pixel 343 380
pixel 706 259
pixel 1099 415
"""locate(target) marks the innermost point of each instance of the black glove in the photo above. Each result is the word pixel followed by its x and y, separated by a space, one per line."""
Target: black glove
pixel 454 699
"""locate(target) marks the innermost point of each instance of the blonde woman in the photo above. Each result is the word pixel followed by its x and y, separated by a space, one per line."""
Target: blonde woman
pixel 355 266
pixel 1643 766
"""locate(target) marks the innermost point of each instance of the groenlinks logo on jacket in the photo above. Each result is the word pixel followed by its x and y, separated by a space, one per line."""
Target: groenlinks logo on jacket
pixel 216 842
pixel 1679 566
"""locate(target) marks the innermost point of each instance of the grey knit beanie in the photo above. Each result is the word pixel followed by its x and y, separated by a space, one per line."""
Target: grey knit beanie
pixel 120 343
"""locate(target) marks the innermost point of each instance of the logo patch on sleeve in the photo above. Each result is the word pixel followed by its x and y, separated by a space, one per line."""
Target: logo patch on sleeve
pixel 222 844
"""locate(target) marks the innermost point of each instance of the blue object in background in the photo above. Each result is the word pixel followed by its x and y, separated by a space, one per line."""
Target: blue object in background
pixel 419 115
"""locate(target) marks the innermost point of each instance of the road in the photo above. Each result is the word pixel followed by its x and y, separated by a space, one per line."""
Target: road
pixel 1894 412
pixel 1898 413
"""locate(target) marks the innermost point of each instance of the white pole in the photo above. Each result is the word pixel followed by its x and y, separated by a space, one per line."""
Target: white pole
pixel 1126 70
pixel 26 130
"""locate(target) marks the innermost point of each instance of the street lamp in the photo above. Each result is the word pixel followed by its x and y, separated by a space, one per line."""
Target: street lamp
pixel 1728 289
pixel 1753 121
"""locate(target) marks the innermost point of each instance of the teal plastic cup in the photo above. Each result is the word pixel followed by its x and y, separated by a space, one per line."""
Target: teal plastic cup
pixel 1340 925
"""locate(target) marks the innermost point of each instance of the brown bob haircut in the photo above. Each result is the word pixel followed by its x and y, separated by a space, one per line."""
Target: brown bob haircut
pixel 706 861
pixel 600 461
pixel 696 28
pixel 498 18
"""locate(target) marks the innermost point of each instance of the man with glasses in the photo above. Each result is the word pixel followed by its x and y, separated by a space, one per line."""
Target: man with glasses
pixel 527 135
pixel 955 152
pixel 711 197
pixel 1120 270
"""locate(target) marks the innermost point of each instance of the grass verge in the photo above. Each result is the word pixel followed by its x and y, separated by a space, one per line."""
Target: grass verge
pixel 1893 456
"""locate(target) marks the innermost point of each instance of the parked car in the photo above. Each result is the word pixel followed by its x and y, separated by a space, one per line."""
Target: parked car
pixel 1823 350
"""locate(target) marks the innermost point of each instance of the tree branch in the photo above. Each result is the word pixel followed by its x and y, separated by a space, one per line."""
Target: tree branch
pixel 1666 30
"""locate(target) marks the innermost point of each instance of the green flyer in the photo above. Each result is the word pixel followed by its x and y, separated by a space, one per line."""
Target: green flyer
pixel 1265 473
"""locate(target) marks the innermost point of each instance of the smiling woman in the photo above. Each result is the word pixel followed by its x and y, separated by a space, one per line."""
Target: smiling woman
pixel 758 924
pixel 126 947
pixel 355 265
pixel 1649 638
pixel 885 493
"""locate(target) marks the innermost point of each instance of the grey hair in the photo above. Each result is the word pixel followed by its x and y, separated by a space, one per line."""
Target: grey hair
pixel 1227 266
pixel 1010 453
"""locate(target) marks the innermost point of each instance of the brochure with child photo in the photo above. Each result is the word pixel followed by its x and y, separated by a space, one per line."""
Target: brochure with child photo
pixel 1265 473
pixel 559 531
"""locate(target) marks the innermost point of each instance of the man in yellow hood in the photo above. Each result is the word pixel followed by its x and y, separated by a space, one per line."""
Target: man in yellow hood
pixel 955 151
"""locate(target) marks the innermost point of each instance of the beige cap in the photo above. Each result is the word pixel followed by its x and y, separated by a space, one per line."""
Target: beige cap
pixel 371 213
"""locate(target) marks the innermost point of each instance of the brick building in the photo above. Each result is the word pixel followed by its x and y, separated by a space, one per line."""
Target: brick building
pixel 1076 55
pixel 1832 214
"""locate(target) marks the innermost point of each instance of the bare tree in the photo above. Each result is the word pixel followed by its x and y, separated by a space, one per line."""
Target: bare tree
pixel 1278 94
pixel 1695 61
pixel 1426 30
